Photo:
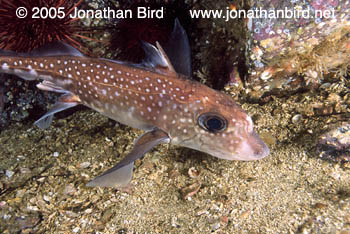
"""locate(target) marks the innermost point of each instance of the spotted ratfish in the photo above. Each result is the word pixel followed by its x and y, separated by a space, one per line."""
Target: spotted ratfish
pixel 156 95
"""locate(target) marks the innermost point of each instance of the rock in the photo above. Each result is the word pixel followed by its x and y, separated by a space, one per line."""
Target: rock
pixel 297 52
pixel 335 144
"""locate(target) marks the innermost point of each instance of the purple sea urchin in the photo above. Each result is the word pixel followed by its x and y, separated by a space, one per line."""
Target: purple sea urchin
pixel 25 34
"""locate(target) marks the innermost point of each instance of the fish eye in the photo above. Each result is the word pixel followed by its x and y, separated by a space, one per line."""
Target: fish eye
pixel 212 122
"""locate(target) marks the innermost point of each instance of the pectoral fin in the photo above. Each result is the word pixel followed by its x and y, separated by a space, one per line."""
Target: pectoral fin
pixel 64 102
pixel 45 120
pixel 120 175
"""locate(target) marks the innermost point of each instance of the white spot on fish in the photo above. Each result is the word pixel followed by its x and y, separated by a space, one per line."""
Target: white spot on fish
pixel 5 66
pixel 119 72
pixel 29 67
pixel 116 93
pixel 104 92
pixel 51 65
pixel 149 109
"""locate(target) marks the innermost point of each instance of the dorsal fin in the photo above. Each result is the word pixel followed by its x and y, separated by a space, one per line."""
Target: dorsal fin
pixel 156 59
pixel 178 50
pixel 54 49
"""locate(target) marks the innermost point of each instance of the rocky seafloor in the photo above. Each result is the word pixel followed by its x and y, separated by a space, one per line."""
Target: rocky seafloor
pixel 43 173
pixel 174 190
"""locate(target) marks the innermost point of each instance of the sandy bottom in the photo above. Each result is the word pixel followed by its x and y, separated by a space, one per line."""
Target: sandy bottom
pixel 174 190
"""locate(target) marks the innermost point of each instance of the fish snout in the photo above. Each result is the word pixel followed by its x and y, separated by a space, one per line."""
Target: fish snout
pixel 253 148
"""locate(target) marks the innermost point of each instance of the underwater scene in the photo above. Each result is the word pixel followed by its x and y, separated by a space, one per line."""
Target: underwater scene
pixel 174 116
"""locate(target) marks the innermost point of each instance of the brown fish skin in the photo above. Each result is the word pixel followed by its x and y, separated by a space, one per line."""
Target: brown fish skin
pixel 145 99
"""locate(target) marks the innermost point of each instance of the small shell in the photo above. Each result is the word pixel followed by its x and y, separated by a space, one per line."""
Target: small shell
pixel 191 190
pixel 193 173
pixel 296 118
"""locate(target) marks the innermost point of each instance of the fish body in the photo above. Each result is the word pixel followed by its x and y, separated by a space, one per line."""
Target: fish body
pixel 151 96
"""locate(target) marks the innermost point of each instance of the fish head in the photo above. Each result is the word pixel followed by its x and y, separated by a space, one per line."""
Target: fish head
pixel 218 126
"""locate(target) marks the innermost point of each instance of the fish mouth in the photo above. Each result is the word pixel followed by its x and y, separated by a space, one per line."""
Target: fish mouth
pixel 252 148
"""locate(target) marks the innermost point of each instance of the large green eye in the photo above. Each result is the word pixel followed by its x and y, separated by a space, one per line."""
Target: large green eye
pixel 212 122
